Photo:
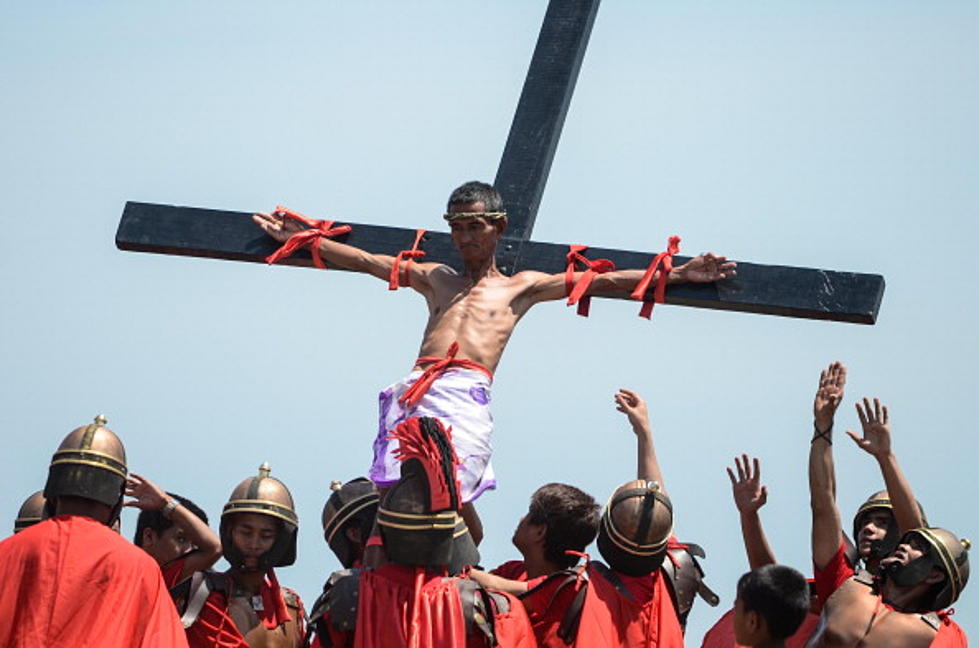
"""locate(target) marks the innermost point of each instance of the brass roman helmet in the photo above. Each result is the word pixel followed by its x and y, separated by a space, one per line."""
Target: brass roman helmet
pixel 262 495
pixel 90 463
pixel 945 552
pixel 31 512
pixel 879 501
pixel 350 506
pixel 636 525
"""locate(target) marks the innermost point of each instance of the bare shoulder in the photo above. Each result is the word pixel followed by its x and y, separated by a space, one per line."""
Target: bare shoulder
pixel 532 278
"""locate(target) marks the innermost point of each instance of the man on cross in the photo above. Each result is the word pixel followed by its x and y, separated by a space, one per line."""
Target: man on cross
pixel 472 314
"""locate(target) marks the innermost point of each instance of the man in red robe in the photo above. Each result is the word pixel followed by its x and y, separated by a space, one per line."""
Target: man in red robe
pixel 413 600
pixel 70 580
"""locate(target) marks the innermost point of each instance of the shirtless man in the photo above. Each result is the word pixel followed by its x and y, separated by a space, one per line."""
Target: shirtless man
pixel 471 317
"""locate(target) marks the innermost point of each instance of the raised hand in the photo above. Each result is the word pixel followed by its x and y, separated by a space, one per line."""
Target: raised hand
pixel 876 438
pixel 276 226
pixel 148 496
pixel 828 396
pixel 633 406
pixel 705 268
pixel 749 493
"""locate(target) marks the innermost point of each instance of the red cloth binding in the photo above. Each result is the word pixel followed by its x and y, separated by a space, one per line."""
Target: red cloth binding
pixel 437 367
pixel 664 262
pixel 317 229
pixel 274 612
pixel 576 291
pixel 401 276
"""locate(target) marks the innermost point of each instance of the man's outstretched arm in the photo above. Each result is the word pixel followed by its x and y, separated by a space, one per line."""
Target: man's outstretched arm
pixel 827 530
pixel 702 269
pixel 876 441
pixel 634 407
pixel 345 256
pixel 749 496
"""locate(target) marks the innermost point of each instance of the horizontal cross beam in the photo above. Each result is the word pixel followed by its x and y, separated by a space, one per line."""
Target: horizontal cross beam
pixel 765 289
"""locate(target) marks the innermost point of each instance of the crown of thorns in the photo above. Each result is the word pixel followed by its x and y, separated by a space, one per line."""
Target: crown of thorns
pixel 497 215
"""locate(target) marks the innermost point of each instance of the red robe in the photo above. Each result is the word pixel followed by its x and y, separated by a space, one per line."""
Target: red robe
pixel 838 570
pixel 72 581
pixel 609 619
pixel 721 635
pixel 408 607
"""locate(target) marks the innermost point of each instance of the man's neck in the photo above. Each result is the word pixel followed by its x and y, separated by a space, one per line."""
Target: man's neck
pixel 249 581
pixel 774 643
pixel 476 270
pixel 84 507
pixel 539 566
pixel 903 599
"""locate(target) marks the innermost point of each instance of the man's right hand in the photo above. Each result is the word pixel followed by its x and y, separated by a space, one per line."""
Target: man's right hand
pixel 828 396
pixel 276 226
pixel 749 493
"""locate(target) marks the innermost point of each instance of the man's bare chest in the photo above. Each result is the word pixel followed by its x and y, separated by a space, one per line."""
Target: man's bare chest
pixel 858 619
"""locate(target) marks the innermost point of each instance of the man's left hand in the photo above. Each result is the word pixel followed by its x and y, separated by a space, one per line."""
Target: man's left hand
pixel 704 268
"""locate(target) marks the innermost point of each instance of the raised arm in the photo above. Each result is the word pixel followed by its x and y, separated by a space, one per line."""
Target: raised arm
pixel 346 256
pixel 876 441
pixel 148 496
pixel 827 530
pixel 634 407
pixel 702 269
pixel 749 496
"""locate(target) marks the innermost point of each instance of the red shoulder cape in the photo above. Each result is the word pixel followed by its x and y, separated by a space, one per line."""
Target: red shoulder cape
pixel 611 620
pixel 72 581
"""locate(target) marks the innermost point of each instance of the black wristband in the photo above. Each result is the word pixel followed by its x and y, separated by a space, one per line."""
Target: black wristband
pixel 826 435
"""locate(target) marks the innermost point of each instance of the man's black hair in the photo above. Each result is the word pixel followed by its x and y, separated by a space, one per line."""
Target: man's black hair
pixel 477 192
pixel 779 594
pixel 155 520
pixel 571 517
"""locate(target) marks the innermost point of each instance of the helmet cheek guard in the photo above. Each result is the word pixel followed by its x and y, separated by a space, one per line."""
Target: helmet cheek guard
pixel 351 506
pixel 262 495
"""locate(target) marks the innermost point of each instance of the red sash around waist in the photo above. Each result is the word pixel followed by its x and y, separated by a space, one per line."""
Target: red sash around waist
pixel 436 367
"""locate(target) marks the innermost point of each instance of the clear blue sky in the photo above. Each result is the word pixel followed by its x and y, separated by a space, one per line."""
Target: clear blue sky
pixel 836 135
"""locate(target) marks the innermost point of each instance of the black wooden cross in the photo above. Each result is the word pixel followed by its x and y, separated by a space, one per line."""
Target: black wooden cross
pixel 522 175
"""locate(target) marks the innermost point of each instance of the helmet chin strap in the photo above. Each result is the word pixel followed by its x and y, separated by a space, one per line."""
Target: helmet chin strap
pixel 886 545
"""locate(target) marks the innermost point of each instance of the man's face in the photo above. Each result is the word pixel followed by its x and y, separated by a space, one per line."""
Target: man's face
pixel 475 238
pixel 908 550
pixel 526 534
pixel 744 624
pixel 252 535
pixel 873 526
pixel 167 546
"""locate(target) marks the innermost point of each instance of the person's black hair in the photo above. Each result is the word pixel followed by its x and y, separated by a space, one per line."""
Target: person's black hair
pixel 155 520
pixel 477 192
pixel 779 594
pixel 571 517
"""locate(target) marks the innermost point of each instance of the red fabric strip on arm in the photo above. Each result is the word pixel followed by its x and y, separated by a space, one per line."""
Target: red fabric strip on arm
pixel 664 263
pixel 317 229
pixel 577 290
pixel 401 277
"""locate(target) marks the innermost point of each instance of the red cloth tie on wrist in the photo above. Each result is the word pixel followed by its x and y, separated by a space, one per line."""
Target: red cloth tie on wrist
pixel 576 291
pixel 401 276
pixel 437 367
pixel 317 229
pixel 664 263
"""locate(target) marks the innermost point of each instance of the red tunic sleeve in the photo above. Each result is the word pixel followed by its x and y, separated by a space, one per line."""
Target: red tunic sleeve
pixel 835 573
pixel 512 569
pixel 950 635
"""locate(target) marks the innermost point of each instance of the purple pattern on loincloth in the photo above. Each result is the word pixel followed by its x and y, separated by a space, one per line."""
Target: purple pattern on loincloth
pixel 480 394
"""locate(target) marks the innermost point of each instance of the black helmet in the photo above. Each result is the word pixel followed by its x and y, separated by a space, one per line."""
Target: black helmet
pixel 262 495
pixel 31 512
pixel 419 518
pixel 351 505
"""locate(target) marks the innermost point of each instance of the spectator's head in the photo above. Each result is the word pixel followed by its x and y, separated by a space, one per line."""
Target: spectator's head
pixel 561 518
pixel 31 512
pixel 932 563
pixel 772 603
pixel 636 525
pixel 348 518
pixel 875 530
pixel 259 524
pixel 160 537
pixel 87 474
